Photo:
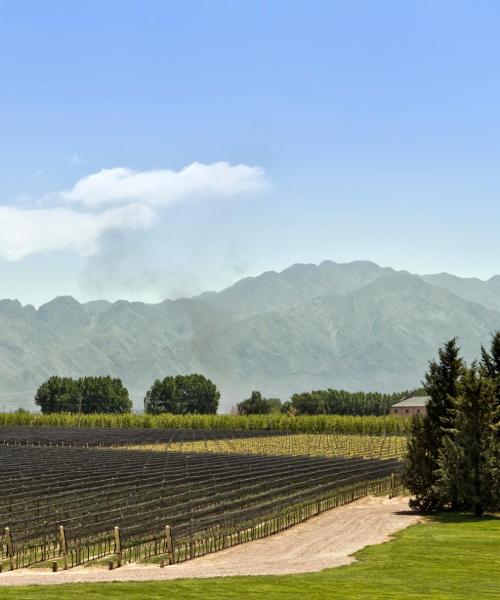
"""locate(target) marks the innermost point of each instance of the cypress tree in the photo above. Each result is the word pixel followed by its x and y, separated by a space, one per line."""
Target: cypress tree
pixel 468 474
pixel 490 363
pixel 426 439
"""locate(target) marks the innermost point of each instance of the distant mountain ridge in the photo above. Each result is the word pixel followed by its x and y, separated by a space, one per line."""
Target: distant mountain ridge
pixel 356 325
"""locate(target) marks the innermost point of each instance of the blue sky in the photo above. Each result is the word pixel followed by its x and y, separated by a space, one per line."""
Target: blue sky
pixel 318 130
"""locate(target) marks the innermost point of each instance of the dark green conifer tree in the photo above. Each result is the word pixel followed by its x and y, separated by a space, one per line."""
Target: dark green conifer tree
pixel 441 384
pixel 490 363
pixel 468 474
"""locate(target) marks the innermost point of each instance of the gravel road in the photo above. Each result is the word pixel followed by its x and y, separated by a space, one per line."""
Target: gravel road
pixel 327 540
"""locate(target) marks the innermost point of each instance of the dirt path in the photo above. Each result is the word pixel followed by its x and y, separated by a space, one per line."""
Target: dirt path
pixel 324 541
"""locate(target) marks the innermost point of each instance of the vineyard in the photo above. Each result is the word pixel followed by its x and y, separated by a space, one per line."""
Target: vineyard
pixel 296 444
pixel 72 496
pixel 107 437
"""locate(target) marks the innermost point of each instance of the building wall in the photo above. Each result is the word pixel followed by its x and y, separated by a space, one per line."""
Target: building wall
pixel 408 411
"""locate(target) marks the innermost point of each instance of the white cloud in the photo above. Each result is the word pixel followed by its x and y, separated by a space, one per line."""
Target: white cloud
pixel 37 228
pixel 30 231
pixel 164 187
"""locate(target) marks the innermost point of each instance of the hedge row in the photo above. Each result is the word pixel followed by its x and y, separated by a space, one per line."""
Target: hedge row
pixel 273 422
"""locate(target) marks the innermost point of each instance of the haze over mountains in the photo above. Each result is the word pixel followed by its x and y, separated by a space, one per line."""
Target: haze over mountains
pixel 356 326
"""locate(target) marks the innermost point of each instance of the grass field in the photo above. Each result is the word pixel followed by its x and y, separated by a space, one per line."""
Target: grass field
pixel 452 557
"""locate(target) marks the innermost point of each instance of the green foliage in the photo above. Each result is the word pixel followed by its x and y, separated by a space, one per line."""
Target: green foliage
pixel 275 405
pixel 57 394
pixel 468 477
pixel 257 405
pixel 86 395
pixel 273 422
pixel 308 403
pixel 341 402
pixel 453 458
pixel 418 472
pixel 441 384
pixel 491 359
pixel 181 395
pixel 491 364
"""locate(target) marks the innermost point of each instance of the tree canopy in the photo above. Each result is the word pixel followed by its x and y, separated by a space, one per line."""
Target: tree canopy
pixel 325 402
pixel 182 394
pixel 342 402
pixel 453 458
pixel 257 405
pixel 441 384
pixel 85 395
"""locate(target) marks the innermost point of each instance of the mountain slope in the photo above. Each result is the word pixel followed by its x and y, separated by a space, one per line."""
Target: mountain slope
pixel 486 293
pixel 354 325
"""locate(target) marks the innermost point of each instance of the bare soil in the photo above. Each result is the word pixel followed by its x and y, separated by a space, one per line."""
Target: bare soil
pixel 325 541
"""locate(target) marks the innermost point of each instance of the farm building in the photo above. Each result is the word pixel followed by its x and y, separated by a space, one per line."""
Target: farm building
pixel 417 405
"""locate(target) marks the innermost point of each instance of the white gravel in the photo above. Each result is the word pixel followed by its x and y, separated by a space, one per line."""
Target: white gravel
pixel 327 540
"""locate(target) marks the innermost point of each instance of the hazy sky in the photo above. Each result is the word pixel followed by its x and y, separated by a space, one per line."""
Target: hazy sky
pixel 157 149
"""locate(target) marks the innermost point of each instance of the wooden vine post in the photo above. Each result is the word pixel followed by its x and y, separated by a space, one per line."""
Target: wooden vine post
pixel 118 547
pixel 10 547
pixel 169 545
pixel 63 546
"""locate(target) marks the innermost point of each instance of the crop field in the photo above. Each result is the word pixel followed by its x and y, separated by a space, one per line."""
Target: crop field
pixel 298 444
pixel 79 495
pixel 111 437
pixel 213 441
pixel 354 425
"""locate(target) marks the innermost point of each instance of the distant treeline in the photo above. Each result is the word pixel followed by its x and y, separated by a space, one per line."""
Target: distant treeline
pixel 179 394
pixel 326 402
pixel 196 394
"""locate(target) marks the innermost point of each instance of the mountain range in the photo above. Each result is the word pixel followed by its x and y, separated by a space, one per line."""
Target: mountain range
pixel 356 326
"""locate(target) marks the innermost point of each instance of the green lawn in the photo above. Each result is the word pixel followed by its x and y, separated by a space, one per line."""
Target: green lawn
pixel 452 557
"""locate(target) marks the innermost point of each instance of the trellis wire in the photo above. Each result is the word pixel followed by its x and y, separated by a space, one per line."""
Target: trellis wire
pixel 193 547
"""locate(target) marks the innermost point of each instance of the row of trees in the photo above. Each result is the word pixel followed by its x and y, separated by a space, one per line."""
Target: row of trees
pixel 453 459
pixel 196 394
pixel 85 395
pixel 180 394
pixel 325 402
